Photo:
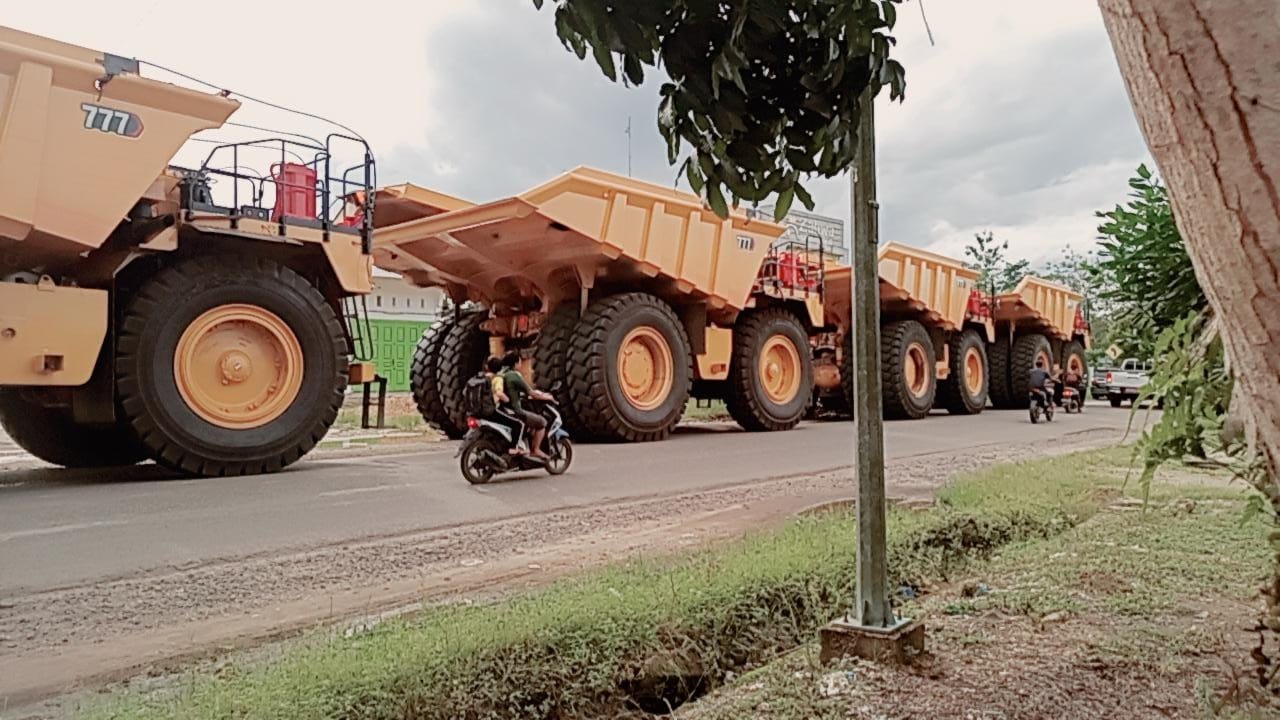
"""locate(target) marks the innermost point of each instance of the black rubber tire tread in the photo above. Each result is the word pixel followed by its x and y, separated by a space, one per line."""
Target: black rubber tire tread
pixel 49 434
pixel 176 437
pixel 953 392
pixel 551 365
pixel 1022 360
pixel 746 401
pixel 998 377
pixel 1074 348
pixel 594 404
pixel 1115 400
pixel 423 379
pixel 462 355
pixel 895 338
pixel 846 372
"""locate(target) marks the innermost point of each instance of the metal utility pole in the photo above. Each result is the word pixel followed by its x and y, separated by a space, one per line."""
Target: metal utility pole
pixel 628 146
pixel 873 609
pixel 871 630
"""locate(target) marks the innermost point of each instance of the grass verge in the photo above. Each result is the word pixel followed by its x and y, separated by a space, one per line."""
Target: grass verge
pixel 1129 614
pixel 643 634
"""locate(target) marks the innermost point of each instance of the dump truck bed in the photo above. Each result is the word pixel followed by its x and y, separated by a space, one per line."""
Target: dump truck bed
pixel 913 282
pixel 75 158
pixel 585 228
pixel 1042 306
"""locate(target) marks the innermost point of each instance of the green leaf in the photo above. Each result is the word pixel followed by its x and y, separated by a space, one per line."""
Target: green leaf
pixel 715 199
pixel 785 198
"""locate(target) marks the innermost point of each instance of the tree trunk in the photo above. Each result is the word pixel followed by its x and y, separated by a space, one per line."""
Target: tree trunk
pixel 1204 79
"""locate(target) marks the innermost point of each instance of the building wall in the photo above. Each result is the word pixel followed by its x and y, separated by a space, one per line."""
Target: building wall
pixel 801 225
pixel 398 315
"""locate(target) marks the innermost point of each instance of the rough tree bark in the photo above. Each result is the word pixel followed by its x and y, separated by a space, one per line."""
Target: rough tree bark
pixel 1204 80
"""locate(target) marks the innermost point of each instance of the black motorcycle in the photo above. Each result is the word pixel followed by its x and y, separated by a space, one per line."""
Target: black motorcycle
pixel 1041 404
pixel 486 449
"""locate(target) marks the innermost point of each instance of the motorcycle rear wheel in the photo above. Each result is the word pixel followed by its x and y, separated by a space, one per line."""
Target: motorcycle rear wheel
pixel 476 468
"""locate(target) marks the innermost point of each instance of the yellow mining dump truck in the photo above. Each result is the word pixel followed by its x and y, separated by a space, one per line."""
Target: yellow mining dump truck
pixel 1041 320
pixel 146 311
pixel 934 329
pixel 626 298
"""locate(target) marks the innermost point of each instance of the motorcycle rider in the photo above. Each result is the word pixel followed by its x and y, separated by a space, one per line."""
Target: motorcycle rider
pixel 517 389
pixel 1037 380
pixel 1072 378
pixel 493 368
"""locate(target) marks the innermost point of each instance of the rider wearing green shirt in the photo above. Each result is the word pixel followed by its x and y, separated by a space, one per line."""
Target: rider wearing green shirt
pixel 517 389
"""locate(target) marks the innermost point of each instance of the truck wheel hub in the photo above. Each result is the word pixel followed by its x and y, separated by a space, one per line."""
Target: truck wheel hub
pixel 917 370
pixel 238 366
pixel 973 371
pixel 780 369
pixel 645 368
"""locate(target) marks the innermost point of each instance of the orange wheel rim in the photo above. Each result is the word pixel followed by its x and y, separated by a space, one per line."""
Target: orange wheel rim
pixel 238 366
pixel 779 369
pixel 645 368
pixel 1048 361
pixel 1075 364
pixel 917 370
pixel 973 371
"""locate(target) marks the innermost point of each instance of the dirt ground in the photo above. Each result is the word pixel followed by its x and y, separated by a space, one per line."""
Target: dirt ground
pixel 1131 615
pixel 58 643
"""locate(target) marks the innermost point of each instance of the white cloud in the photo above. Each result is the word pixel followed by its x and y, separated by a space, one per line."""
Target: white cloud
pixel 1015 122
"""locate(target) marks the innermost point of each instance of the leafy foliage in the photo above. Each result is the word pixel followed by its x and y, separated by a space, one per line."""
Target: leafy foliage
pixel 1079 271
pixel 765 92
pixel 1192 381
pixel 990 257
pixel 1143 269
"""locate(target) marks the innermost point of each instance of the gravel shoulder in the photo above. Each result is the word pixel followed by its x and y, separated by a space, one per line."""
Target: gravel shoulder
pixel 57 642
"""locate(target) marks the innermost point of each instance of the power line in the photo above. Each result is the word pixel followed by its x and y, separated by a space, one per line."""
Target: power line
pixel 250 98
pixel 925 18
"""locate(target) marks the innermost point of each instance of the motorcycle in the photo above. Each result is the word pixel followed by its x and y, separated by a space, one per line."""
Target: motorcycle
pixel 1041 404
pixel 486 448
pixel 1072 400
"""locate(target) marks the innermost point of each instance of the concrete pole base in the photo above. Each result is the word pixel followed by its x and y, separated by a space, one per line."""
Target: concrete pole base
pixel 896 644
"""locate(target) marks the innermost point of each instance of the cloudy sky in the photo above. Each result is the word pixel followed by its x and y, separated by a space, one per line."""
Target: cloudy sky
pixel 1016 120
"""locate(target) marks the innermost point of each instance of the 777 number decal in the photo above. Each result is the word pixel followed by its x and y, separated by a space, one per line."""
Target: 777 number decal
pixel 108 120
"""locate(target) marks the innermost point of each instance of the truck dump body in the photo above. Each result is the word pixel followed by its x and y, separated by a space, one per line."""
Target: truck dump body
pixel 1042 306
pixel 585 228
pixel 913 283
pixel 75 158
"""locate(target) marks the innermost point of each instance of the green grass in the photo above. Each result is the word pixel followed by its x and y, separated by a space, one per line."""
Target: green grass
pixel 715 412
pixel 1143 588
pixel 594 646
pixel 349 418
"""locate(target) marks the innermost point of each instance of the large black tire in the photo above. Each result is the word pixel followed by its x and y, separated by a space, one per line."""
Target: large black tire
pixel 846 371
pixel 998 384
pixel 956 394
pixel 153 323
pixel 1025 351
pixel 1074 351
pixel 551 365
pixel 51 435
pixel 748 401
pixel 424 376
pixel 462 354
pixel 901 401
pixel 598 398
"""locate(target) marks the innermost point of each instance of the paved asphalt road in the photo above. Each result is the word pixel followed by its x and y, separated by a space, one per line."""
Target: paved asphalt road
pixel 61 528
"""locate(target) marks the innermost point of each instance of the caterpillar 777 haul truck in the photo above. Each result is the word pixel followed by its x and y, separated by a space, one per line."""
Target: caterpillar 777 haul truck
pixel 146 311
pixel 625 298
pixel 935 325
pixel 1039 320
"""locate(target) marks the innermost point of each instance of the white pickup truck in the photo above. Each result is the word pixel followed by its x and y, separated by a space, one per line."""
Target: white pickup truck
pixel 1122 383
